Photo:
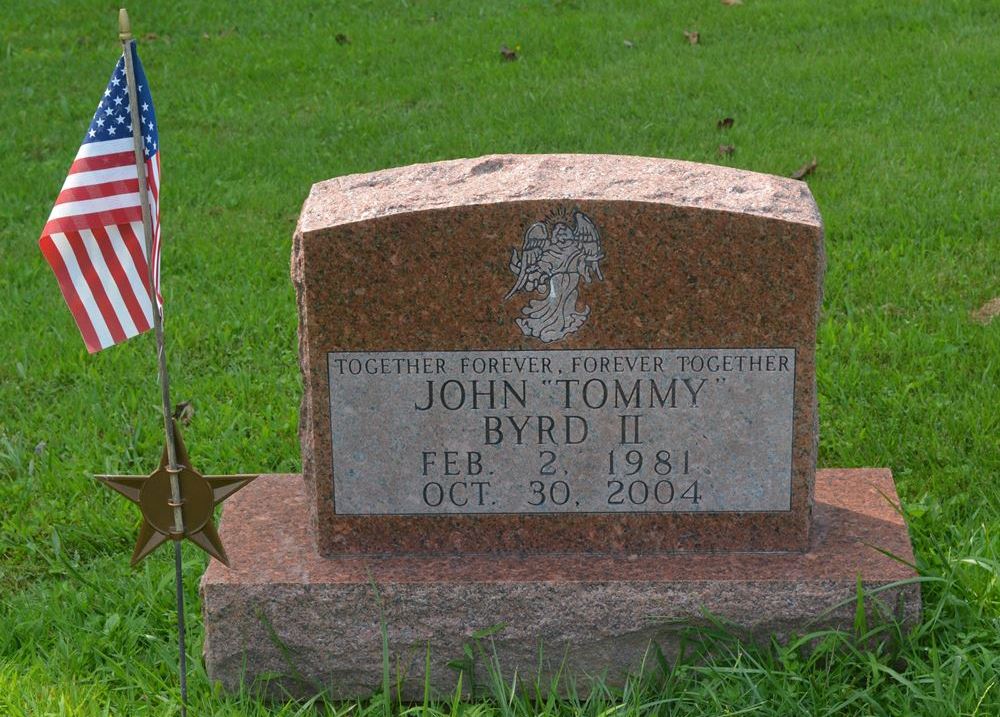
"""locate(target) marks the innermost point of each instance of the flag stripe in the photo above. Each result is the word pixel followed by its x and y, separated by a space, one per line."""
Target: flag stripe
pixel 153 182
pixel 99 191
pixel 92 206
pixel 123 285
pixel 89 273
pixel 70 295
pixel 109 282
pixel 104 161
pixel 153 178
pixel 85 221
pixel 109 146
pixel 139 235
pixel 89 310
pixel 130 257
pixel 100 176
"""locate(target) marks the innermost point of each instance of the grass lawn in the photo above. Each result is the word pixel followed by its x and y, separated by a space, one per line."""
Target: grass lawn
pixel 898 101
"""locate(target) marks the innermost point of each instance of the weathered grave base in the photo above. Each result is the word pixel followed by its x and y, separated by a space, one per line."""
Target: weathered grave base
pixel 596 613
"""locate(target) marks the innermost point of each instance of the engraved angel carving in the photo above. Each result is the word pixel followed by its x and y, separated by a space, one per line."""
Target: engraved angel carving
pixel 553 259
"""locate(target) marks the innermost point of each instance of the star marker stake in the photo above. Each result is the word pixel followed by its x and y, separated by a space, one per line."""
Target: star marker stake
pixel 153 495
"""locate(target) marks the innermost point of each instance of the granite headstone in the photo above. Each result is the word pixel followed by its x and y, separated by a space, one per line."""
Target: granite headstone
pixel 573 394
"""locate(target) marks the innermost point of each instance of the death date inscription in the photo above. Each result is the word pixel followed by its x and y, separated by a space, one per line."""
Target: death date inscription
pixel 561 431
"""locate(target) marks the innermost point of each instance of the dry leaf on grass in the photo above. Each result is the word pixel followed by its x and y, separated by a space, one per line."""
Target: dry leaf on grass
pixel 692 36
pixel 805 170
pixel 220 34
pixel 724 123
pixel 730 3
pixel 507 54
pixel 726 149
pixel 184 412
pixel 987 312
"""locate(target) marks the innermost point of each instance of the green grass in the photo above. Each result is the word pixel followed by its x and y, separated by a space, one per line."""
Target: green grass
pixel 898 101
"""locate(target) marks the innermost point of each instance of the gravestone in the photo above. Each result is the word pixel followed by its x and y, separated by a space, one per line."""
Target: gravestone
pixel 574 395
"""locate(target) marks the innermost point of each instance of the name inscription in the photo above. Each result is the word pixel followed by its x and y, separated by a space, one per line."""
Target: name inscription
pixel 561 431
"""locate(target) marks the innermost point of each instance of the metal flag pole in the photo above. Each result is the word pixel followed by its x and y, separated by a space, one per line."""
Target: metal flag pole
pixel 176 501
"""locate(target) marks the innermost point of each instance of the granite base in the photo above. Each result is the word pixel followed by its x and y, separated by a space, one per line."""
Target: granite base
pixel 286 620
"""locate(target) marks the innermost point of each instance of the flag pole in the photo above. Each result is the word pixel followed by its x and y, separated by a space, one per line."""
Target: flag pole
pixel 176 501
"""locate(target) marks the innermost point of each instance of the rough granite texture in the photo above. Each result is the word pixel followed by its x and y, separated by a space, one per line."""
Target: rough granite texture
pixel 416 258
pixel 599 612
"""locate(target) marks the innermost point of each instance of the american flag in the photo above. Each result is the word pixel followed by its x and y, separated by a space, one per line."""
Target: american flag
pixel 94 239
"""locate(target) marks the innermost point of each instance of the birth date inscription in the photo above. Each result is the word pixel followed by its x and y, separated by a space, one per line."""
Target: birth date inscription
pixel 561 431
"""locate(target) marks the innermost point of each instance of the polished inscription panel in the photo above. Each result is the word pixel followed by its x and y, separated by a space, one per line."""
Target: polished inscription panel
pixel 562 431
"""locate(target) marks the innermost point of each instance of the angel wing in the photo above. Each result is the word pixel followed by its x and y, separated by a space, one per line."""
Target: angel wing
pixel 584 229
pixel 586 234
pixel 536 238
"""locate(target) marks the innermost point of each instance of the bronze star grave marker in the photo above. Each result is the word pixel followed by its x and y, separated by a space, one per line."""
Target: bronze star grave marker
pixel 199 496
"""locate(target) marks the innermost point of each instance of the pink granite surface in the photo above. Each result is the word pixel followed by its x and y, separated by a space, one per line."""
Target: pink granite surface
pixel 502 178
pixel 415 259
pixel 600 612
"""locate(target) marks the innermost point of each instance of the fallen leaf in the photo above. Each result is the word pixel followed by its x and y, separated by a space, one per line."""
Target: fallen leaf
pixel 150 36
pixel 229 31
pixel 726 149
pixel 987 312
pixel 725 123
pixel 342 39
pixel 730 3
pixel 507 54
pixel 629 44
pixel 805 170
pixel 692 36
pixel 184 412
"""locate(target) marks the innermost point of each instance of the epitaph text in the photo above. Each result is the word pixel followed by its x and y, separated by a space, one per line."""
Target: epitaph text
pixel 561 431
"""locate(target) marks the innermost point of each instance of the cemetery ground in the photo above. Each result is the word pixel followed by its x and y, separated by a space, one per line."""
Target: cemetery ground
pixel 897 102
